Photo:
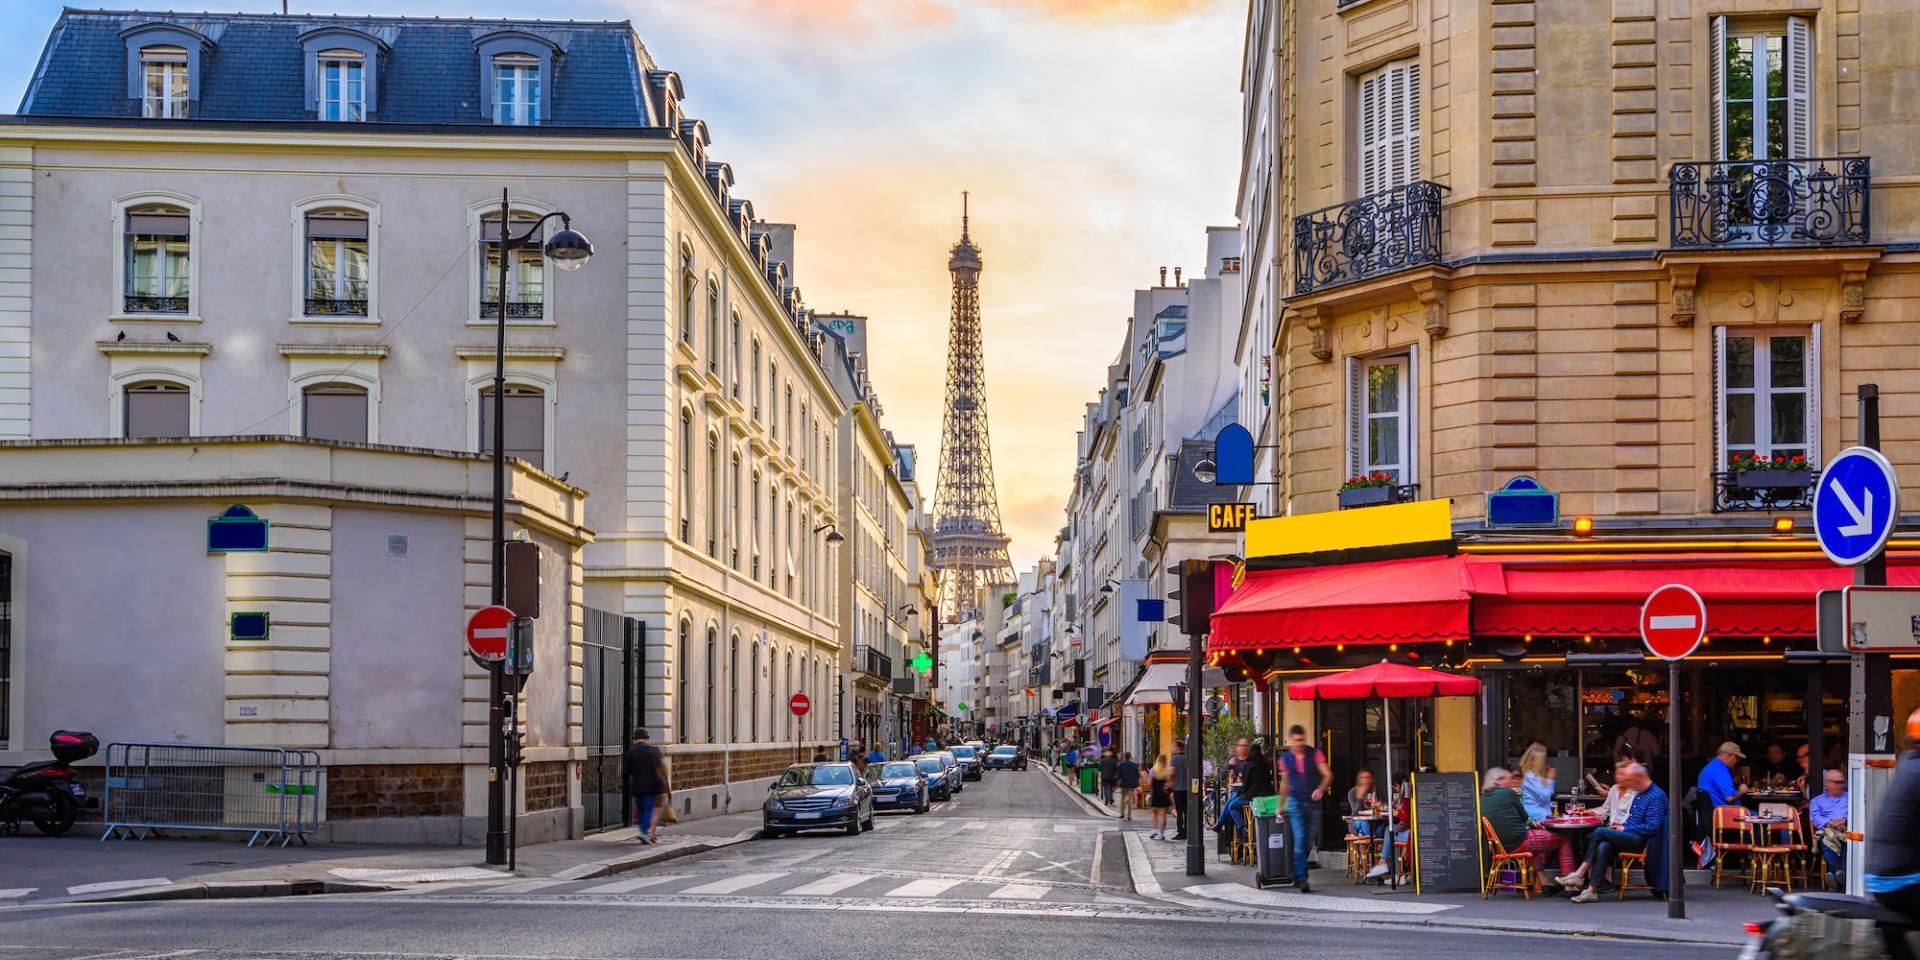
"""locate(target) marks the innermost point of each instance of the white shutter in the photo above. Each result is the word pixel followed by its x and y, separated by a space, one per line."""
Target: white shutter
pixel 1799 88
pixel 1717 73
pixel 1409 113
pixel 1813 396
pixel 1356 416
pixel 1390 127
pixel 1410 418
pixel 1370 132
pixel 1719 398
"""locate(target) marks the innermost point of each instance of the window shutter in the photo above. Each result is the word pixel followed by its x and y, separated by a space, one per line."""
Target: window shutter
pixel 1799 88
pixel 1408 113
pixel 1370 133
pixel 1410 418
pixel 1719 398
pixel 1813 396
pixel 1717 74
pixel 1356 416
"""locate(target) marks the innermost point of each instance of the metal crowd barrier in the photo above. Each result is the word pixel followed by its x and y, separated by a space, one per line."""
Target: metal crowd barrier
pixel 272 794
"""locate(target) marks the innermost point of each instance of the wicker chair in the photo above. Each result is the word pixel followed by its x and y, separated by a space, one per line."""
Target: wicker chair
pixel 1729 835
pixel 1521 865
pixel 1625 864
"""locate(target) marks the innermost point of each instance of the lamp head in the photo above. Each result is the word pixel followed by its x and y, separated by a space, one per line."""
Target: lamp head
pixel 568 248
pixel 1205 471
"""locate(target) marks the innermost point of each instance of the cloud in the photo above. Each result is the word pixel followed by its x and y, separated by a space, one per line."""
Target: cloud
pixel 1112 9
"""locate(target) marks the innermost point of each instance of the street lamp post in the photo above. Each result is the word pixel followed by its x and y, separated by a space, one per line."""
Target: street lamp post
pixel 569 251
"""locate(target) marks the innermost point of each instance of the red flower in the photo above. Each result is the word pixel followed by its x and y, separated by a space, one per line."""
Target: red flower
pixel 1799 458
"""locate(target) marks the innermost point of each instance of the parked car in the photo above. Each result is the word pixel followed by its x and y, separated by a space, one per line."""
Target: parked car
pixel 818 796
pixel 953 764
pixel 899 785
pixel 941 778
pixel 971 765
pixel 1007 757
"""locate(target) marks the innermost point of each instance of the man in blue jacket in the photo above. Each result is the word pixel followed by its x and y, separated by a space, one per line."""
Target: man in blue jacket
pixel 1646 821
pixel 1716 785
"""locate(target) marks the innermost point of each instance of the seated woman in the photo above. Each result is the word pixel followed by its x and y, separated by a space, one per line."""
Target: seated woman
pixel 1500 804
pixel 1536 783
pixel 1362 800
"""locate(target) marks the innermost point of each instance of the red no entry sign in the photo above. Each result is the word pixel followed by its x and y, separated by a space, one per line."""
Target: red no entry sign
pixel 487 633
pixel 1672 621
pixel 799 704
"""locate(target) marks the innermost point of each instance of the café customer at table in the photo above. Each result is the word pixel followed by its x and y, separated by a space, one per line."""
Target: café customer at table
pixel 1827 813
pixel 1536 783
pixel 1361 800
pixel 1644 830
pixel 1500 803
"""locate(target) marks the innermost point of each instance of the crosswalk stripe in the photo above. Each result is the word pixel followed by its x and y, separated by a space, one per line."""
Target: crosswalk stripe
pixel 924 887
pixel 623 886
pixel 1019 891
pixel 735 883
pixel 16 893
pixel 527 887
pixel 828 885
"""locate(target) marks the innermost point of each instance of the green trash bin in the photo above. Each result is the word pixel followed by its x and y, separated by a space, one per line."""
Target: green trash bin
pixel 1089 779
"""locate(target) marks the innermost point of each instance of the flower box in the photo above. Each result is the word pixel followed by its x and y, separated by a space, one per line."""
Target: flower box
pixel 1365 496
pixel 1772 479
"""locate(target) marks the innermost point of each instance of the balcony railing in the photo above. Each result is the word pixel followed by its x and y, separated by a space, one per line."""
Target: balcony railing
pixel 872 662
pixel 323 307
pixel 1375 496
pixel 1382 233
pixel 1810 202
pixel 142 303
pixel 516 310
pixel 1763 491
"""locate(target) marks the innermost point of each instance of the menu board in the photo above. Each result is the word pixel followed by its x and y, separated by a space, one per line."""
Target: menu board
pixel 1446 833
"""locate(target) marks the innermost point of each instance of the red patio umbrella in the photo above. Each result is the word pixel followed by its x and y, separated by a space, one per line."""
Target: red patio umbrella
pixel 1385 680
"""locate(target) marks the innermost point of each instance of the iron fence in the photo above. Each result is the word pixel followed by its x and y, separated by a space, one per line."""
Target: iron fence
pixel 1815 201
pixel 612 680
pixel 270 793
pixel 1378 234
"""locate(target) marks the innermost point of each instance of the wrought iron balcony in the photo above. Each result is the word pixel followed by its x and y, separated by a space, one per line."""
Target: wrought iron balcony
pixel 1764 491
pixel 516 310
pixel 142 303
pixel 323 307
pixel 872 662
pixel 1382 233
pixel 1810 202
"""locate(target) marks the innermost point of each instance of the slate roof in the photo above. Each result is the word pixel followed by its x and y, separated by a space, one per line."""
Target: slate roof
pixel 254 70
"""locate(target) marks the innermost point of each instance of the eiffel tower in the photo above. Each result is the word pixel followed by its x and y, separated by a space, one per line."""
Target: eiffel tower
pixel 969 551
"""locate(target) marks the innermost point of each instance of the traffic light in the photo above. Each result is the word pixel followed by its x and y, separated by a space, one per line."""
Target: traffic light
pixel 1195 596
pixel 522 570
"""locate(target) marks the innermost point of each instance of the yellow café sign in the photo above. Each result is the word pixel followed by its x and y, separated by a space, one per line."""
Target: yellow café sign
pixel 1223 517
pixel 1390 527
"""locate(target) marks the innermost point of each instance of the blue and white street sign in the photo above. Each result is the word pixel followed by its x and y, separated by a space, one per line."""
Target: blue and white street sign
pixel 1855 506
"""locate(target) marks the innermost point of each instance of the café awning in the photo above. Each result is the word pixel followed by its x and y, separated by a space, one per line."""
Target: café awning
pixel 1414 600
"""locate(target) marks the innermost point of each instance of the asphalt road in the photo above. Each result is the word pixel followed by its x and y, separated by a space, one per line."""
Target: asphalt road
pixel 1011 868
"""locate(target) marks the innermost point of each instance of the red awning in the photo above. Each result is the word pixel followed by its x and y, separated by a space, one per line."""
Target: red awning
pixel 1383 680
pixel 1389 601
pixel 1746 596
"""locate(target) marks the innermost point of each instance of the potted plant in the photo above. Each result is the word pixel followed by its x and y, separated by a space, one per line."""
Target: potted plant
pixel 1755 472
pixel 1366 490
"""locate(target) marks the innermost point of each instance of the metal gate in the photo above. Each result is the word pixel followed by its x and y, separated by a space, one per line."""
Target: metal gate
pixel 615 648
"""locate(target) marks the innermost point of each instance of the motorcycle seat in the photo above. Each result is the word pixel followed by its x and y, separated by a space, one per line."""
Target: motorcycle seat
pixel 1848 908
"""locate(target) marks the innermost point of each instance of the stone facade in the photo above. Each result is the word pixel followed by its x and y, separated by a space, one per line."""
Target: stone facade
pixel 366 791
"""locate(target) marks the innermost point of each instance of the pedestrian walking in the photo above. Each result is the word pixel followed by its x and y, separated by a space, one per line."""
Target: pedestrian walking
pixel 646 781
pixel 1109 774
pixel 1159 798
pixel 1179 763
pixel 1306 775
pixel 1126 775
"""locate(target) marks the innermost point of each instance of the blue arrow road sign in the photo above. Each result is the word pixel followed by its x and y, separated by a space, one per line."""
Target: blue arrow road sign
pixel 1855 505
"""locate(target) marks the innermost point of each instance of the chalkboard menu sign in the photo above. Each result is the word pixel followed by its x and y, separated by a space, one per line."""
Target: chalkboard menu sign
pixel 1446 833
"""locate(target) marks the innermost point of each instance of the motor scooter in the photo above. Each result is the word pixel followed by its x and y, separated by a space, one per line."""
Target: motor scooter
pixel 49 793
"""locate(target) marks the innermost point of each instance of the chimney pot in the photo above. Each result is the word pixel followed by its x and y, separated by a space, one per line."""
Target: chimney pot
pixel 1176 276
pixel 1163 276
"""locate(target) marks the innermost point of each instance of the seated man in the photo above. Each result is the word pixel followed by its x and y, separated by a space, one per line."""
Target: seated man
pixel 1645 821
pixel 1501 805
pixel 1827 812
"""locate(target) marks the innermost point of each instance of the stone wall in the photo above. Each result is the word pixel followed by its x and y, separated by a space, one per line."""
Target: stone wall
pixel 394 790
pixel 546 787
pixel 711 768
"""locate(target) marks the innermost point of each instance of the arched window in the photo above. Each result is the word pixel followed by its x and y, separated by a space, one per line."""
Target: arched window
pixel 159 259
pixel 689 286
pixel 753 695
pixel 524 416
pixel 156 408
pixel 686 474
pixel 773 536
pixel 754 502
pixel 334 411
pixel 682 709
pixel 713 685
pixel 339 266
pixel 733 503
pixel 733 688
pixel 714 490
pixel 736 357
pixel 788 442
pixel 526 278
pixel 754 377
pixel 787 679
pixel 715 349
pixel 773 399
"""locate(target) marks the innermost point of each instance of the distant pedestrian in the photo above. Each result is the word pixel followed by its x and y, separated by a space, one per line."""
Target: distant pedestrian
pixel 820 756
pixel 859 764
pixel 1159 798
pixel 646 783
pixel 1109 775
pixel 1127 778
pixel 877 755
pixel 1179 763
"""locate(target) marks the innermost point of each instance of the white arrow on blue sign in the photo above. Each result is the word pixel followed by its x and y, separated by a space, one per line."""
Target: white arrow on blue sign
pixel 1855 505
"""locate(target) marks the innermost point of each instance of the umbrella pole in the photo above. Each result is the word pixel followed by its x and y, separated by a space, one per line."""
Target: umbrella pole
pixel 1393 860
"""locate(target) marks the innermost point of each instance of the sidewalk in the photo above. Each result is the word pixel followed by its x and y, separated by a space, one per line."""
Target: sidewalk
pixel 79 866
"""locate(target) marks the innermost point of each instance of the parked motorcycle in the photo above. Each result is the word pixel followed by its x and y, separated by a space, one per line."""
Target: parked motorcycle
pixel 1817 924
pixel 49 793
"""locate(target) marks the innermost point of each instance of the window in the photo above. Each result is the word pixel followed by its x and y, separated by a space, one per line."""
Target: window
pixel 754 375
pixel 689 284
pixel 157 410
pixel 6 647
pixel 736 357
pixel 338 264
pixel 773 400
pixel 159 260
pixel 733 688
pixel 713 328
pixel 1769 397
pixel 526 269
pixel 686 476
pixel 753 696
pixel 713 685
pixel 335 411
pixel 342 86
pixel 773 536
pixel 1380 426
pixel 682 701
pixel 1763 78
pixel 713 495
pixel 1389 127
pixel 164 87
pixel 754 501
pixel 516 90
pixel 733 503
pixel 524 422
pixel 788 440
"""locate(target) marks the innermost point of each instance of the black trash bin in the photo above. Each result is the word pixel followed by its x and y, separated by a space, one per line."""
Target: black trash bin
pixel 1273 858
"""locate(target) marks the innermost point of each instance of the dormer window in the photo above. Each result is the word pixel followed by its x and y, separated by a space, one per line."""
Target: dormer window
pixel 164 86
pixel 516 90
pixel 342 86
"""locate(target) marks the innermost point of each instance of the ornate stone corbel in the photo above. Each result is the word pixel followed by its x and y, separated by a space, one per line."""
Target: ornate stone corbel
pixel 1316 322
pixel 1853 291
pixel 1683 277
pixel 1433 302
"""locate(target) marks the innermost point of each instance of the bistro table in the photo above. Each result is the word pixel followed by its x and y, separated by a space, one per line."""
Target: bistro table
pixel 1792 797
pixel 1364 823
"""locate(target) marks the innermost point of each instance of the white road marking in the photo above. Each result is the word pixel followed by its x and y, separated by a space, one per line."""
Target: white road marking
pixel 1018 891
pixel 924 887
pixel 828 885
pixel 622 886
pixel 1000 861
pixel 16 893
pixel 735 883
pixel 527 887
pixel 107 885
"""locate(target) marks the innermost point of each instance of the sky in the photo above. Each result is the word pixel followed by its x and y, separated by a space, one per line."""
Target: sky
pixel 1099 138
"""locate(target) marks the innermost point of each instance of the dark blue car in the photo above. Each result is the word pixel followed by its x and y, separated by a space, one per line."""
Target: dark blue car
pixel 899 785
pixel 940 776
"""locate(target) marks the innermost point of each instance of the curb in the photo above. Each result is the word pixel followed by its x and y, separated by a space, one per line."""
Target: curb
pixel 607 868
pixel 228 890
pixel 1087 803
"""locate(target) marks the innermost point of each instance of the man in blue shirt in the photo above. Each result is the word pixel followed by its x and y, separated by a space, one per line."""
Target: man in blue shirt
pixel 1827 812
pixel 1646 819
pixel 1716 784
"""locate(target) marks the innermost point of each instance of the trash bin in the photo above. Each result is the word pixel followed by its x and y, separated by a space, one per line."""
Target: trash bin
pixel 1089 779
pixel 1273 862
